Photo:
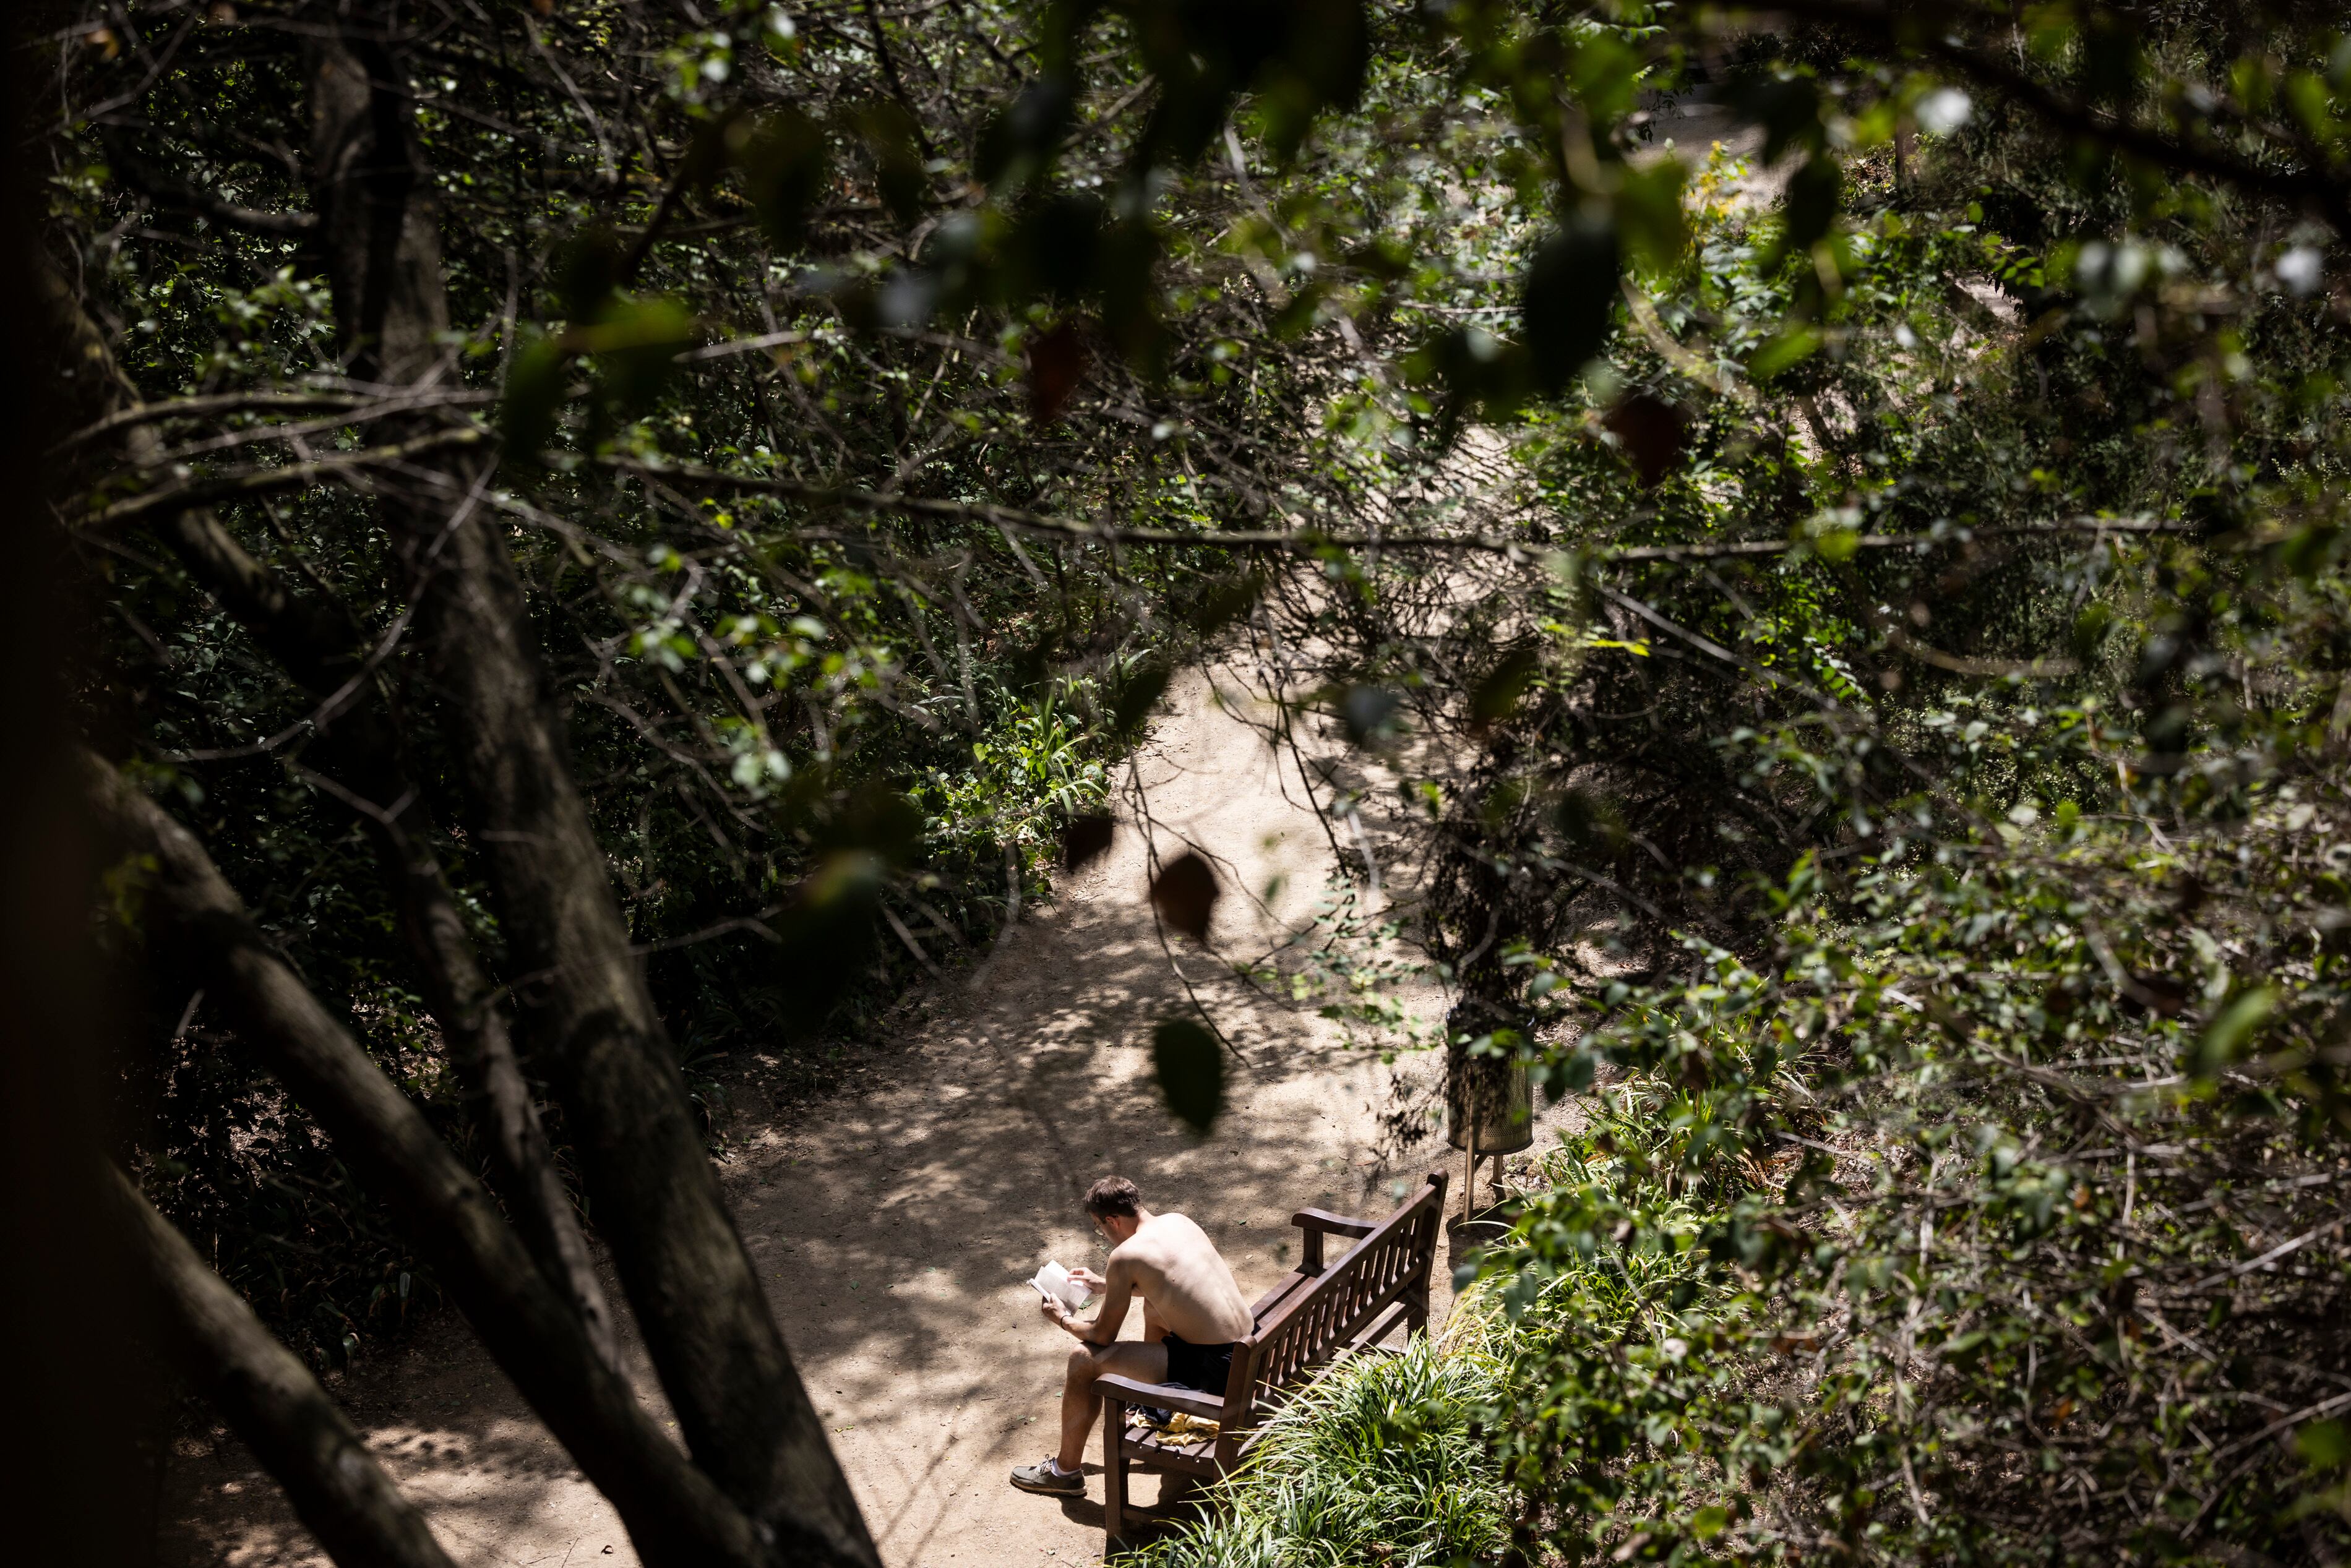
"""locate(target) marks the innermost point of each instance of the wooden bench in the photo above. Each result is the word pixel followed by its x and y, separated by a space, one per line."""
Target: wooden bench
pixel 1316 1313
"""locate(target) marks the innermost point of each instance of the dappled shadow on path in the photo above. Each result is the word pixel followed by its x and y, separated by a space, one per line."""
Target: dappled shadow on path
pixel 450 1429
pixel 895 1231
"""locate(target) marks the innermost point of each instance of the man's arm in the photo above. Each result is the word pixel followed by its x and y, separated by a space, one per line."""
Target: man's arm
pixel 1118 1293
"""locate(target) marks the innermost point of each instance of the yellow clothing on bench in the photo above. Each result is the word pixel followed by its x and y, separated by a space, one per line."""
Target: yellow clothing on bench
pixel 1182 1426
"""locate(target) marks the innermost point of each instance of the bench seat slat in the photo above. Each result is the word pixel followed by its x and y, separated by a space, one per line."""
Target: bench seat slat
pixel 1160 1446
pixel 1165 1395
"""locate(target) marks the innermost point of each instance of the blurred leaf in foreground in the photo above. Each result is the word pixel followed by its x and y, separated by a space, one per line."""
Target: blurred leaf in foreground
pixel 1190 1068
pixel 1185 895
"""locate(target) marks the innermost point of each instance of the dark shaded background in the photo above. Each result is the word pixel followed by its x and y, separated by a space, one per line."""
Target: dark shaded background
pixel 79 1486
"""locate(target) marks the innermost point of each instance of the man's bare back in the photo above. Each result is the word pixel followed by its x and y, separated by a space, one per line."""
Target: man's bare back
pixel 1187 1288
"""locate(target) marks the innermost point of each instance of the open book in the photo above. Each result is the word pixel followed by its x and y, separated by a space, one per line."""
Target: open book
pixel 1054 1280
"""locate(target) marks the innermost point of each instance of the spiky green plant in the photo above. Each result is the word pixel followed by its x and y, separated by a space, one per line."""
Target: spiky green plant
pixel 1376 1461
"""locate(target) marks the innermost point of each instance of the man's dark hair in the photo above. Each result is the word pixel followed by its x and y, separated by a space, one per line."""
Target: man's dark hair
pixel 1112 1195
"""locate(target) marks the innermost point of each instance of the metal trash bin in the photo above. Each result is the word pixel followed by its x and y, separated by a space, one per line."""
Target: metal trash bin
pixel 1489 1107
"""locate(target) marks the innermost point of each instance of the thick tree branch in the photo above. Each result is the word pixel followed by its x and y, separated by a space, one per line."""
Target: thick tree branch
pixel 274 1405
pixel 317 644
pixel 158 186
pixel 364 769
pixel 673 1511
pixel 740 1401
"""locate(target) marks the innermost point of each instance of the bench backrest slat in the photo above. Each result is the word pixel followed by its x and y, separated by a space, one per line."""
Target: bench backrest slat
pixel 1306 1327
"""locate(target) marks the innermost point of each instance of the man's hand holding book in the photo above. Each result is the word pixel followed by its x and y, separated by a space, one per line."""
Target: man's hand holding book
pixel 1065 1292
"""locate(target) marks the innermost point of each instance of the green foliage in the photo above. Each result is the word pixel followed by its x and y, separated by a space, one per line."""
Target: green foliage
pixel 1970 1254
pixel 1963 1182
pixel 1379 1459
pixel 1889 732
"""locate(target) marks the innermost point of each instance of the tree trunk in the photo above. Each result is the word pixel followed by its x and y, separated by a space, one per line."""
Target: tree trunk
pixel 589 1019
pixel 79 1478
pixel 673 1513
pixel 273 1403
pixel 1483 901
pixel 359 752
pixel 378 224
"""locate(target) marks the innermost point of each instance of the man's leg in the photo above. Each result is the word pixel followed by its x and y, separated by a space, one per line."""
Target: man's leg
pixel 1080 1404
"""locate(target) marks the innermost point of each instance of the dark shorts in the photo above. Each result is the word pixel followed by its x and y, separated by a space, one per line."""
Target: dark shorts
pixel 1204 1367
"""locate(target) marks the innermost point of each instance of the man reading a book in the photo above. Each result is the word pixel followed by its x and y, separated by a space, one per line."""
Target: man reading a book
pixel 1192 1314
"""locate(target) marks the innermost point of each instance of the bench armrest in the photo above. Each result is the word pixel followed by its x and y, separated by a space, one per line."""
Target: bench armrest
pixel 1191 1401
pixel 1316 1223
pixel 1337 1224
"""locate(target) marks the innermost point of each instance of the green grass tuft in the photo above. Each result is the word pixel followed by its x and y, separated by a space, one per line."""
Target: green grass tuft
pixel 1376 1461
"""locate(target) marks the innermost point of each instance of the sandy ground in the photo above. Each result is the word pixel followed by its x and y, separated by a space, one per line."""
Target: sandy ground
pixel 896 1222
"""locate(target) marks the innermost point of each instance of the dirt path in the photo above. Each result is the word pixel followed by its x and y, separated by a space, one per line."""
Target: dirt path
pixel 895 1226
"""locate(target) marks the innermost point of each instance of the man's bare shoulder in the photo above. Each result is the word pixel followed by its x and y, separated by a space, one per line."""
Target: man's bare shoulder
pixel 1172 1234
pixel 1139 1251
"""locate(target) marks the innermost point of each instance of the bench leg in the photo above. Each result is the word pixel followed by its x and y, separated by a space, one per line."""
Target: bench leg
pixel 1114 1477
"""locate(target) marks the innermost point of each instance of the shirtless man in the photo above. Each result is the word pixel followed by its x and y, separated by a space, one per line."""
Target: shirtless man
pixel 1192 1313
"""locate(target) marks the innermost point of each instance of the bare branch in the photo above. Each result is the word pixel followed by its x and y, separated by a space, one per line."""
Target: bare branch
pixel 274 1405
pixel 255 435
pixel 1729 549
pixel 1930 33
pixel 289 476
pixel 204 407
pixel 1310 540
pixel 1965 664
